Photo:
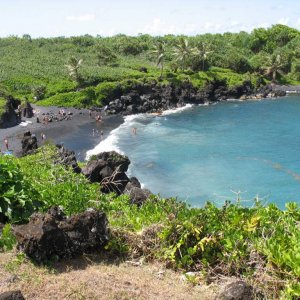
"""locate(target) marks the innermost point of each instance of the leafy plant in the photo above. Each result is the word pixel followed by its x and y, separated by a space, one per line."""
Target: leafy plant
pixel 18 198
pixel 7 238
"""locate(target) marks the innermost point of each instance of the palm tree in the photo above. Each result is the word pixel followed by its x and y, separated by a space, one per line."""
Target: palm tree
pixel 73 68
pixel 182 52
pixel 159 51
pixel 274 67
pixel 201 52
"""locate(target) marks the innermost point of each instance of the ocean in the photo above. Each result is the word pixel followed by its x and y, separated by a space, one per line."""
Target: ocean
pixel 235 150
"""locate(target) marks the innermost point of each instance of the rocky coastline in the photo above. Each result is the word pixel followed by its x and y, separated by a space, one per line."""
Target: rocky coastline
pixel 157 98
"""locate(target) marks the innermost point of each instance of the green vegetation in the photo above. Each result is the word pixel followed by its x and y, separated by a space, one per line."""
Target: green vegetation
pixel 18 197
pixel 68 71
pixel 2 105
pixel 260 244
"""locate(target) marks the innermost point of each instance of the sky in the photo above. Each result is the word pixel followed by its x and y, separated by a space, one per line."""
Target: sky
pixel 49 18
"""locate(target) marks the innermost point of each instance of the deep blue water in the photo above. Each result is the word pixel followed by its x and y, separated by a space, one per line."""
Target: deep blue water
pixel 211 152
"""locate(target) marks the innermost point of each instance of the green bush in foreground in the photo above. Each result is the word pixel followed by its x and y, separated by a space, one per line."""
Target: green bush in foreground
pixel 18 197
pixel 7 239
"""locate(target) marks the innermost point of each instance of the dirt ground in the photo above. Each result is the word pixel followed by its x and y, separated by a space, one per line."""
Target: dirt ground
pixel 95 278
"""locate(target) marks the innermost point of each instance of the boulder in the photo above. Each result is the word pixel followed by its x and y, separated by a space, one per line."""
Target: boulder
pixel 12 295
pixel 53 235
pixel 9 116
pixel 115 183
pixel 29 143
pixel 108 168
pixel 67 158
pixel 137 195
pixel 133 182
pixel 236 290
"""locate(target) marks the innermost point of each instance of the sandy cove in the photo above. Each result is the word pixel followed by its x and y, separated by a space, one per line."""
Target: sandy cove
pixel 79 131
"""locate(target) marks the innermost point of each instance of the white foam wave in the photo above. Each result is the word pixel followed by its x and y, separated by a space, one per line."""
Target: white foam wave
pixel 176 110
pixel 108 144
pixel 112 141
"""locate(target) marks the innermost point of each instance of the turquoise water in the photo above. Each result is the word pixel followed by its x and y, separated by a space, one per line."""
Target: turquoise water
pixel 214 152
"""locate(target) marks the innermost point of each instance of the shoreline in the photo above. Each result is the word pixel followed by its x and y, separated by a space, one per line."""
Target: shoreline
pixel 66 132
pixel 80 126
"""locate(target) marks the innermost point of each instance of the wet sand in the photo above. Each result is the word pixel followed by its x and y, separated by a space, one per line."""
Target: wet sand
pixel 80 133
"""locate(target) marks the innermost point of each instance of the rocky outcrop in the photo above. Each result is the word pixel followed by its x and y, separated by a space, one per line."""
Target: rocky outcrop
pixel 67 158
pixel 236 290
pixel 12 295
pixel 9 117
pixel 152 98
pixel 136 194
pixel 270 90
pixel 29 143
pixel 27 110
pixel 108 168
pixel 53 235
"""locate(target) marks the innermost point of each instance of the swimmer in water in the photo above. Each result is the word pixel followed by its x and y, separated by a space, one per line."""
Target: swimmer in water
pixel 134 130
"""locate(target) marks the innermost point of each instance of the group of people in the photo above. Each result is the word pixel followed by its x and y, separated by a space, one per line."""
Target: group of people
pixel 96 132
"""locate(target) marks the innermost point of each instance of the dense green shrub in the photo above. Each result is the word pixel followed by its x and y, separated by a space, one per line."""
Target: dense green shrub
pixel 7 238
pixel 18 197
pixel 80 98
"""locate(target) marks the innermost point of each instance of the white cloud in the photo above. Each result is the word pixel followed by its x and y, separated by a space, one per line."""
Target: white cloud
pixel 210 26
pixel 159 27
pixel 81 18
pixel 297 24
pixel 283 21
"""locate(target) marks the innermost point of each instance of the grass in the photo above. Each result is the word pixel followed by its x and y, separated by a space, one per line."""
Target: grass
pixel 94 277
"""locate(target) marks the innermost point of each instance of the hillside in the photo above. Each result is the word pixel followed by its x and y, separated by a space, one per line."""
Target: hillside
pixel 85 70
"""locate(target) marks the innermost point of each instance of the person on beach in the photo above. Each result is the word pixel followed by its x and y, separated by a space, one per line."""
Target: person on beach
pixel 19 114
pixel 98 118
pixel 6 143
pixel 43 136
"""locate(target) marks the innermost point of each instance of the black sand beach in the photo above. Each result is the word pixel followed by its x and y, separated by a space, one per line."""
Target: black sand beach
pixel 80 132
